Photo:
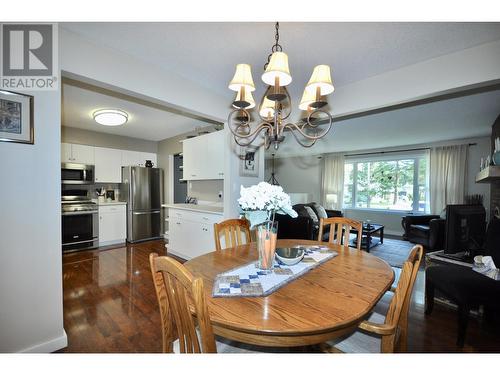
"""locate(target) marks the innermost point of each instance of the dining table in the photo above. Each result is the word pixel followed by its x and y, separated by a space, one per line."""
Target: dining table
pixel 327 302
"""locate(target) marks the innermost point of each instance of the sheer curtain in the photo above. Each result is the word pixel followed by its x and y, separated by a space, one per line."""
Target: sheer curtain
pixel 332 181
pixel 448 173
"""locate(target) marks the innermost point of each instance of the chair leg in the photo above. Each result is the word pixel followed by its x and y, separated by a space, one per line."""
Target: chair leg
pixel 463 319
pixel 429 297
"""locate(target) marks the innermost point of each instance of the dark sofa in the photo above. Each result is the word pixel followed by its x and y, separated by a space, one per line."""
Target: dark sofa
pixel 427 230
pixel 306 224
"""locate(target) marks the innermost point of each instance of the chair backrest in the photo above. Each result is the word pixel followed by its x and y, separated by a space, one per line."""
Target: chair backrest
pixel 169 334
pixel 415 258
pixel 396 306
pixel 340 228
pixel 235 231
pixel 184 291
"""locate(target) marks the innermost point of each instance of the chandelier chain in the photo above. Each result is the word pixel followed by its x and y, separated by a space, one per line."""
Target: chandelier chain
pixel 277 46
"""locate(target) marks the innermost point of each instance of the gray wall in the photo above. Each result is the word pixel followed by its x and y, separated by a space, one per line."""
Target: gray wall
pixel 31 302
pixel 300 174
pixel 87 137
pixel 303 175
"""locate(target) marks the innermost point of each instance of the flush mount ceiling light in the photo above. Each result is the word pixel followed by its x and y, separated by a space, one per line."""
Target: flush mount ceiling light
pixel 275 105
pixel 110 117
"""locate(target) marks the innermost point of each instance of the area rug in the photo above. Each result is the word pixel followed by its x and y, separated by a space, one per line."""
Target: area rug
pixel 394 252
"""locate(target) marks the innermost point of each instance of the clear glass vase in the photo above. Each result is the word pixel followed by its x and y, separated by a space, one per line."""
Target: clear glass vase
pixel 267 233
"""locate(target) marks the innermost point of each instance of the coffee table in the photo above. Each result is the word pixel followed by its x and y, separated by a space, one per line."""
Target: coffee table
pixel 367 239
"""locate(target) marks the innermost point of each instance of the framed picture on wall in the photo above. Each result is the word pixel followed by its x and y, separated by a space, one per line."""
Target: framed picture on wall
pixel 16 117
pixel 249 162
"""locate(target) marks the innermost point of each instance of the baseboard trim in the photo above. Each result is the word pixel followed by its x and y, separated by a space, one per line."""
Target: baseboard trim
pixel 49 346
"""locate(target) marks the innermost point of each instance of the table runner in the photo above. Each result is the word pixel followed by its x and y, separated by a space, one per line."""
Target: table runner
pixel 250 281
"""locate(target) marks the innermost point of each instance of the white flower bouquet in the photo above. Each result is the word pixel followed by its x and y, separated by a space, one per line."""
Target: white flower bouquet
pixel 259 203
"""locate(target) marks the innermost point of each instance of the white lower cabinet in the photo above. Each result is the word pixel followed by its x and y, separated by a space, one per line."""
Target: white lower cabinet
pixel 191 233
pixel 112 224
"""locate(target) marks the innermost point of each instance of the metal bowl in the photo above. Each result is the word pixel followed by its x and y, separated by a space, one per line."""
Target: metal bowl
pixel 290 255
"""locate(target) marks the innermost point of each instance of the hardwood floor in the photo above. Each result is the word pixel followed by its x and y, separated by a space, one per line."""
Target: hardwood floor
pixel 110 306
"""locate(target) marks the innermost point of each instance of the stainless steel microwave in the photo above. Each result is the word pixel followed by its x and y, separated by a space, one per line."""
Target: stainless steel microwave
pixel 72 173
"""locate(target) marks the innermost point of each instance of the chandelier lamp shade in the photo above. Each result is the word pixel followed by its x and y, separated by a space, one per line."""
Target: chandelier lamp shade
pixel 275 106
pixel 277 70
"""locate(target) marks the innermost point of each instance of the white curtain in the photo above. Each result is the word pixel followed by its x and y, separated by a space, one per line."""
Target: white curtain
pixel 332 190
pixel 448 174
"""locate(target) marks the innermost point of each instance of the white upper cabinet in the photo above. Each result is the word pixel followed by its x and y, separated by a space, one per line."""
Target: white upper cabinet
pixel 203 157
pixel 137 158
pixel 73 153
pixel 66 153
pixel 108 161
pixel 192 159
pixel 216 149
pixel 108 165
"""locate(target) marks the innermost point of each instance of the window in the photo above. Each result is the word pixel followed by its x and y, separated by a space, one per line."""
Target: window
pixel 396 182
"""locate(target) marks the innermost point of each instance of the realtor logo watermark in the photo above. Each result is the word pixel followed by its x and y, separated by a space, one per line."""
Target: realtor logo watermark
pixel 28 56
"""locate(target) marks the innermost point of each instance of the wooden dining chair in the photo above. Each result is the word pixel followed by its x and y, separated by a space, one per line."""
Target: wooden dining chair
pixel 177 290
pixel 415 258
pixel 340 229
pixel 378 333
pixel 233 231
pixel 169 334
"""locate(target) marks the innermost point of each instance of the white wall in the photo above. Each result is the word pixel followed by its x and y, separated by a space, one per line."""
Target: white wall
pixel 87 137
pixel 232 179
pixel 31 306
pixel 303 175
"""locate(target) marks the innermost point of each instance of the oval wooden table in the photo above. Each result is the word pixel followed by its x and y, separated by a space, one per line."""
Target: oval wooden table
pixel 327 302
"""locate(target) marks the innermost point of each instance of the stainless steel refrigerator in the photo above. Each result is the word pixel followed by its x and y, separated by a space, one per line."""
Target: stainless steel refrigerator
pixel 143 188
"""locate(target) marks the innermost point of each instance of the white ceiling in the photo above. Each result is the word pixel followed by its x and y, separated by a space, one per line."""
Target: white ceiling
pixel 464 117
pixel 144 122
pixel 208 52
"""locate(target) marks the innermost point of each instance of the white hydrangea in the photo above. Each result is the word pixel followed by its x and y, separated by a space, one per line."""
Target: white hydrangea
pixel 264 197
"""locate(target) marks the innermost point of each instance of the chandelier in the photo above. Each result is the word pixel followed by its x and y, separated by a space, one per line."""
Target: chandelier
pixel 275 106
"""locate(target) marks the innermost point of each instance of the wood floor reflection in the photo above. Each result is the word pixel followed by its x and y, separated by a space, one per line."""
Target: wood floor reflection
pixel 110 306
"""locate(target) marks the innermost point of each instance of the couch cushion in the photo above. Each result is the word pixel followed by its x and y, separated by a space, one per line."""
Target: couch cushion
pixel 422 228
pixel 319 210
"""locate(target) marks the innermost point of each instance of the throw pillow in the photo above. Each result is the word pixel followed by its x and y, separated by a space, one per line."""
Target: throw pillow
pixel 312 214
pixel 320 210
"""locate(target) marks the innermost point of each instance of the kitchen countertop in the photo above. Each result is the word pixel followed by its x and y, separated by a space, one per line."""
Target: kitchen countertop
pixel 112 203
pixel 196 207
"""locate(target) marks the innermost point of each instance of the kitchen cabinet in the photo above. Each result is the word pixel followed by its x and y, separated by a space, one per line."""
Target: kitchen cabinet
pixel 108 165
pixel 192 165
pixel 191 233
pixel 107 161
pixel 137 158
pixel 204 157
pixel 73 153
pixel 112 224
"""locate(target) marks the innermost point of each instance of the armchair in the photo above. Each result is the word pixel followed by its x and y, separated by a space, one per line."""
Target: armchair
pixel 426 230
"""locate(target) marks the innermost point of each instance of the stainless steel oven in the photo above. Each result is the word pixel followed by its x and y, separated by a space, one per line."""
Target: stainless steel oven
pixel 80 220
pixel 80 174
